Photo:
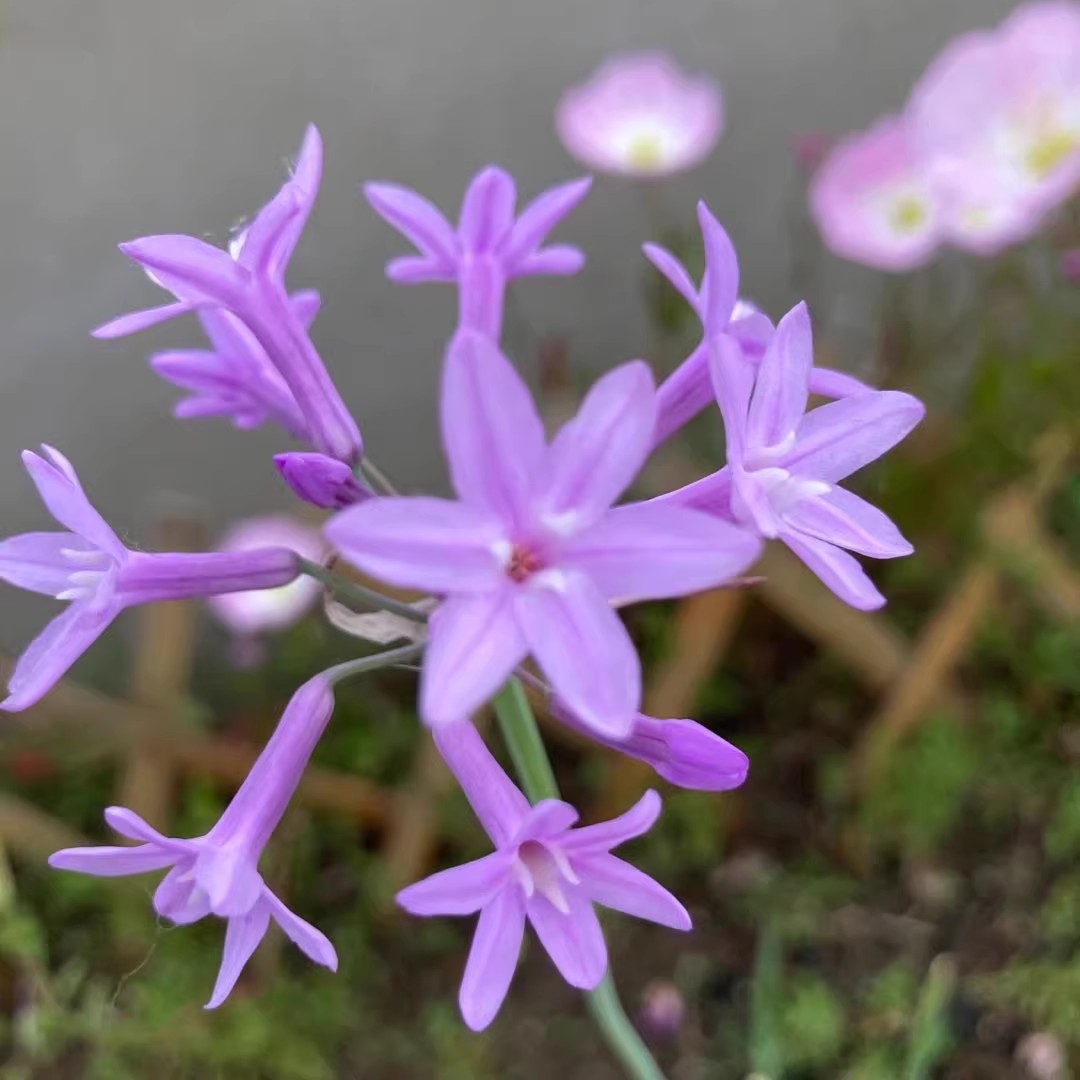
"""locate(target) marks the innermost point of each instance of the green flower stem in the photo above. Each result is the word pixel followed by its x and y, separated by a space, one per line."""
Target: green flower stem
pixel 364 664
pixel 522 738
pixel 359 596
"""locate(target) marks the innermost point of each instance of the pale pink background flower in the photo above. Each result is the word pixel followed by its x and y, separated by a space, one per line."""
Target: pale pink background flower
pixel 872 201
pixel 246 613
pixel 639 114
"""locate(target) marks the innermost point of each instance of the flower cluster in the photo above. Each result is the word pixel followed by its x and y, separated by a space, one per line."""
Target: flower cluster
pixel 531 559
pixel 987 145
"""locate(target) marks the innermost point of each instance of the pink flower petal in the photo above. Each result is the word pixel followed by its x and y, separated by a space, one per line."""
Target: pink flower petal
pixel 242 938
pixel 614 883
pixel 720 285
pixel 605 835
pixel 780 390
pixel 112 861
pixel 583 649
pixel 842 518
pixel 310 940
pixel 492 959
pixel 36 561
pixel 487 211
pixel 539 218
pixel 837 569
pixel 651 551
pixel 573 940
pixel 417 220
pixel 461 890
pixel 474 644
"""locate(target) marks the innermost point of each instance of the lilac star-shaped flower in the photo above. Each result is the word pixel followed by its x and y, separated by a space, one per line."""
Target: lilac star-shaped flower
pixel 490 245
pixel 533 555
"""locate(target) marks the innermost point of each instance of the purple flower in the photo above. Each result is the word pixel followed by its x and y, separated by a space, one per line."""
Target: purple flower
pixel 784 463
pixel 996 119
pixel 490 246
pixel 248 281
pixel 532 556
pixel 541 870
pixel 682 752
pixel 688 389
pixel 640 115
pixel 873 200
pixel 218 873
pixel 261 610
pixel 235 378
pixel 320 480
pixel 89 566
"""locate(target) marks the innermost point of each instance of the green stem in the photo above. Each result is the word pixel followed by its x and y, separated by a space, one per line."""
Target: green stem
pixel 386 658
pixel 522 738
pixel 349 592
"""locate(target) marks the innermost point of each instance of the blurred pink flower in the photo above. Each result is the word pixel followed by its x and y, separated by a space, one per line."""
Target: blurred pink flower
pixel 997 116
pixel 872 201
pixel 640 115
pixel 246 613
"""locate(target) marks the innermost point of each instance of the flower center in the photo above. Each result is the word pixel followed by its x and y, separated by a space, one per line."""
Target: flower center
pixel 89 568
pixel 523 563
pixel 1049 151
pixel 907 214
pixel 545 870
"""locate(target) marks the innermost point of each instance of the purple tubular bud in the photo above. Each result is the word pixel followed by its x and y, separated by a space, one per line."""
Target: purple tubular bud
pixel 320 480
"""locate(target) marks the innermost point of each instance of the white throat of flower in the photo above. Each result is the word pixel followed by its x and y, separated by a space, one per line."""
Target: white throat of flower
pixel 544 868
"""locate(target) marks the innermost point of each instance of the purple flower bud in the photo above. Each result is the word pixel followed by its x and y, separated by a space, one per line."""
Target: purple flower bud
pixel 320 480
pixel 662 1009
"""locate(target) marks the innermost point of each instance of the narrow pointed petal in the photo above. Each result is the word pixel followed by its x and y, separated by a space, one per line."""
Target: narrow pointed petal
pixel 539 218
pixel 420 542
pixel 49 656
pixel 836 384
pixel 487 211
pixel 559 260
pixel 242 937
pixel 605 835
pixel 192 270
pixel 417 269
pixel 461 890
pixel 583 649
pixel 598 453
pixel 614 883
pixel 781 388
pixel 492 959
pixel 492 433
pixel 474 643
pixel 416 219
pixel 842 518
pixel 732 382
pixel 310 940
pixel 837 569
pixel 547 818
pixel 650 551
pixel 675 272
pixel 720 285
pixel 135 321
pixel 36 561
pixel 574 941
pixel 306 304
pixel 711 494
pixel 837 439
pixel 112 861
pixel 128 824
pixel 498 804
pixel 752 329
pixel 683 394
pixel 65 499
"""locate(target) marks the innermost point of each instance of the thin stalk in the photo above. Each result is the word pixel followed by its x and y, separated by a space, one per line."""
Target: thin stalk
pixel 378 477
pixel 386 658
pixel 349 592
pixel 522 737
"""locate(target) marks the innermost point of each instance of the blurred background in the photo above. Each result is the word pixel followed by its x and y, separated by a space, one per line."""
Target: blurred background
pixel 895 892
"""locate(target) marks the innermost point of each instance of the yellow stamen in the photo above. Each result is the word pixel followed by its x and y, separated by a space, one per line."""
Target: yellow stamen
pixel 645 151
pixel 907 214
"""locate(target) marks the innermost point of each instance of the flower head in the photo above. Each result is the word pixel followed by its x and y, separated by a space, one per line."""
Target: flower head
pixel 640 115
pixel 490 245
pixel 89 566
pixel 532 556
pixel 248 282
pixel 261 610
pixel 873 200
pixel 218 873
pixel 543 871
pixel 997 118
pixel 688 389
pixel 785 464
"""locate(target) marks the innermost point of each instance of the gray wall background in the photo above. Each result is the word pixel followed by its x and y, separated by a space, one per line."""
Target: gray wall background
pixel 126 117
